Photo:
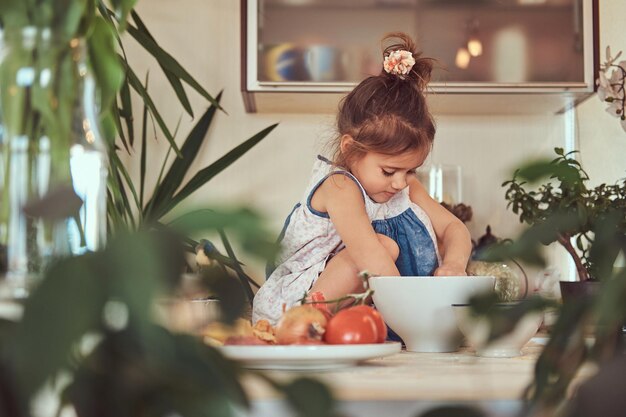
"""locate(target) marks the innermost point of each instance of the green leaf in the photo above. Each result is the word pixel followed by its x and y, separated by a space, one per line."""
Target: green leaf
pixel 171 77
pixel 116 222
pixel 242 220
pixel 117 119
pixel 105 62
pixel 503 318
pixel 14 13
pixel 138 86
pixel 51 326
pixel 228 290
pixel 562 356
pixel 149 206
pixel 527 247
pixel 606 245
pixel 243 277
pixel 121 169
pixel 109 127
pixel 116 185
pixel 159 373
pixel 537 170
pixel 310 398
pixel 166 61
pixel 144 152
pixel 178 170
pixel 122 9
pixel 126 110
pixel 609 308
pixel 205 175
pixel 67 15
pixel 134 282
pixel 246 224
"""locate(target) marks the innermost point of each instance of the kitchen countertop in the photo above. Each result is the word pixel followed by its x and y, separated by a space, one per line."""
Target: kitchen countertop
pixel 409 376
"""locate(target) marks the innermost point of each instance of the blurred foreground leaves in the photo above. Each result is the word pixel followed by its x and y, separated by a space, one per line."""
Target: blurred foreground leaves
pixel 90 323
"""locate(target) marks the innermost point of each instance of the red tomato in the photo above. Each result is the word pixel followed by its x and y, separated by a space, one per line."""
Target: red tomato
pixel 351 326
pixel 381 327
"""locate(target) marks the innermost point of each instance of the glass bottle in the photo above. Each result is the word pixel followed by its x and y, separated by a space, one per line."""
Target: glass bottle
pixel 51 151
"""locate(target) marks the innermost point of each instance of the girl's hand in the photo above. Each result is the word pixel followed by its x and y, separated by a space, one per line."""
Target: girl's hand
pixel 450 270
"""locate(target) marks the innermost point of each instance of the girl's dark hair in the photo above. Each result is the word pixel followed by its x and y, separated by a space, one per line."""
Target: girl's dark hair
pixel 387 113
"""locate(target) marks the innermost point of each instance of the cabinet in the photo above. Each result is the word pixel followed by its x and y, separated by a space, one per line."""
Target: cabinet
pixel 493 56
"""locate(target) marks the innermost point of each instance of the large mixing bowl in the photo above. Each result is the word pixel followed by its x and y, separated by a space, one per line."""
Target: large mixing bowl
pixel 419 309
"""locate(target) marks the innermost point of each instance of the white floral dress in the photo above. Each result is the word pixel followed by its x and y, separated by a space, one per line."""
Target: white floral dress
pixel 309 239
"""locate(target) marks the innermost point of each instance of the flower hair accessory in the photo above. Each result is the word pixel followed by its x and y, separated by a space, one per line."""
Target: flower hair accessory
pixel 399 62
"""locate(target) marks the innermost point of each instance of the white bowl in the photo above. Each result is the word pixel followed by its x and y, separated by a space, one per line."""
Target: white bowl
pixel 476 332
pixel 419 309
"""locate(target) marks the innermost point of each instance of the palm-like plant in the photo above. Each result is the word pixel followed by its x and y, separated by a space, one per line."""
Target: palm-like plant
pixel 131 206
pixel 135 209
pixel 89 321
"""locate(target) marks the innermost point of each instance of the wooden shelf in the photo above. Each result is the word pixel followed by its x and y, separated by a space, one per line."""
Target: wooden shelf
pixel 440 103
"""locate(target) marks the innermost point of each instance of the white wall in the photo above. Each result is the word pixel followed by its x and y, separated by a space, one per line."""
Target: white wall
pixel 602 142
pixel 204 35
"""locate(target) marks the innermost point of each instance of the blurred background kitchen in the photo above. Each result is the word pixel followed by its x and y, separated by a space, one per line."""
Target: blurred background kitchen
pixel 510 69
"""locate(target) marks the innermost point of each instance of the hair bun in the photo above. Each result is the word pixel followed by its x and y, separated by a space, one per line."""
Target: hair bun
pixel 403 61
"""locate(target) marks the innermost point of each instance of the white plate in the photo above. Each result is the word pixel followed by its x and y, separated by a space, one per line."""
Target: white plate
pixel 307 357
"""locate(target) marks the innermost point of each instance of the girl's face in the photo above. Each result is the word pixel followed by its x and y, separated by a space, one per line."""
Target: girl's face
pixel 382 176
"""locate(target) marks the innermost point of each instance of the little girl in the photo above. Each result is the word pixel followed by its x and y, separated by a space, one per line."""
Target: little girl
pixel 365 208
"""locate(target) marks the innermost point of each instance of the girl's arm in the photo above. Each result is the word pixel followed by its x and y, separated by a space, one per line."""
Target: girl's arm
pixel 456 243
pixel 342 199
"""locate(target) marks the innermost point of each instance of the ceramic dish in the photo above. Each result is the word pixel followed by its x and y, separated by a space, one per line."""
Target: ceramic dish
pixel 307 357
pixel 476 331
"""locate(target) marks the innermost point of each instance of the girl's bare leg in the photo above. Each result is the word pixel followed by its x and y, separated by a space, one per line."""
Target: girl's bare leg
pixel 340 277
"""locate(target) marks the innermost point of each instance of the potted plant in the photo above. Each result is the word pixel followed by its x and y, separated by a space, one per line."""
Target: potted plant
pixel 131 206
pixel 87 330
pixel 566 194
pixel 588 330
pixel 590 223
pixel 597 217
pixel 58 27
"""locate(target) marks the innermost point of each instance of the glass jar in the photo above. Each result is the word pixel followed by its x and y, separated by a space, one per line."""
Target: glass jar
pixel 51 151
pixel 442 182
pixel 511 281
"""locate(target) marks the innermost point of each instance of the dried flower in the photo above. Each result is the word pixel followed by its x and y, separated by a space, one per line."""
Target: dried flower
pixel 399 62
pixel 611 85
